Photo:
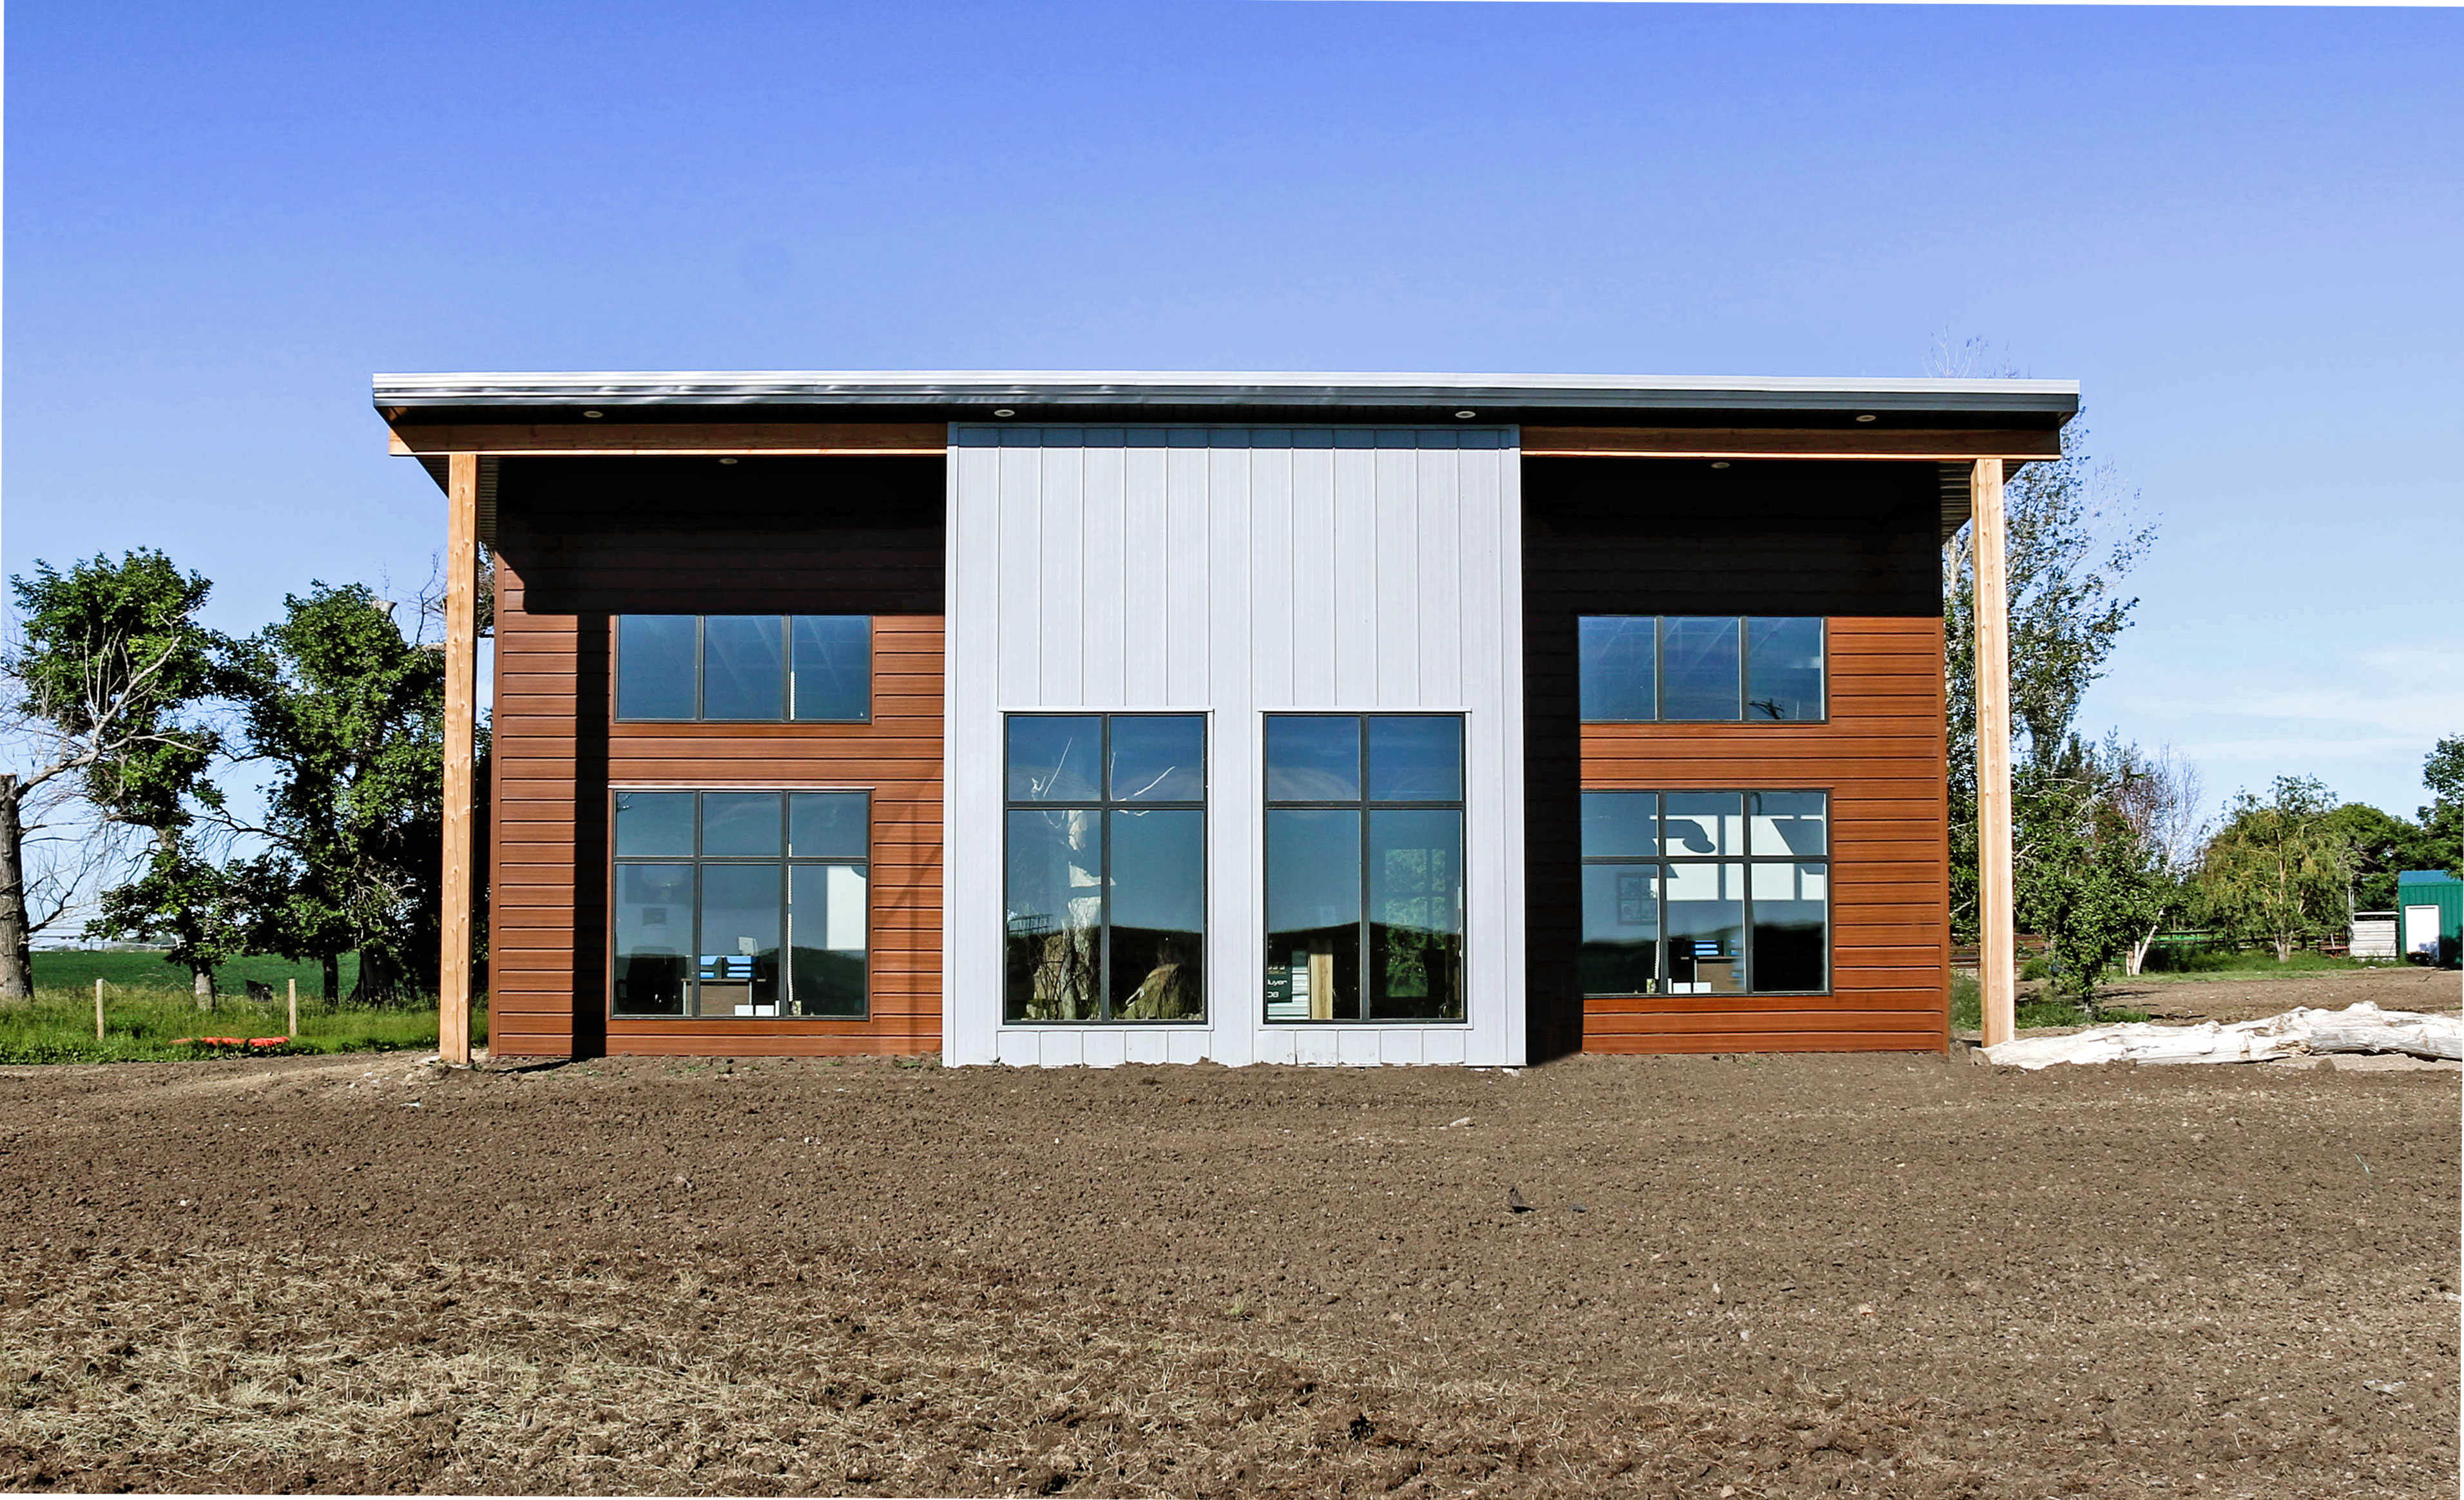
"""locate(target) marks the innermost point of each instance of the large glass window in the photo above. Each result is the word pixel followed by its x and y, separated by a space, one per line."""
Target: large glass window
pixel 737 903
pixel 1699 669
pixel 809 668
pixel 1106 867
pixel 1364 866
pixel 1706 893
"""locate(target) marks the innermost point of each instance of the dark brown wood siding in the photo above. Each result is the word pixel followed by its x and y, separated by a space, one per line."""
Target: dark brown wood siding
pixel 1852 542
pixel 581 541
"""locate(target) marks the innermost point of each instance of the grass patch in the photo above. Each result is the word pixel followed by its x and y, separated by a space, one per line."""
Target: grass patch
pixel 2255 964
pixel 77 968
pixel 147 1025
pixel 1967 1010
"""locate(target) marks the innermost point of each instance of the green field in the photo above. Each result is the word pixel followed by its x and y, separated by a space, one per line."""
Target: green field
pixel 77 969
pixel 2209 963
pixel 148 1012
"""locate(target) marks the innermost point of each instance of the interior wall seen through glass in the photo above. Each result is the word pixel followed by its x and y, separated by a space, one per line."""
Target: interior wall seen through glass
pixel 1704 893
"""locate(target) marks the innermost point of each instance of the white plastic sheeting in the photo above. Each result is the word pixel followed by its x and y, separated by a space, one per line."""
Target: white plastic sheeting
pixel 2300 1032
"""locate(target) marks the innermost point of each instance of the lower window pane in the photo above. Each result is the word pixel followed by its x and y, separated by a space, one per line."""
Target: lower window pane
pixel 1791 926
pixel 1313 914
pixel 1415 901
pixel 1158 915
pixel 654 938
pixel 826 923
pixel 1620 952
pixel 738 972
pixel 1054 916
pixel 1707 929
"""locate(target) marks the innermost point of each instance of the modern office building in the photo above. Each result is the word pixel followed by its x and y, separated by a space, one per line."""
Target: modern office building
pixel 1082 719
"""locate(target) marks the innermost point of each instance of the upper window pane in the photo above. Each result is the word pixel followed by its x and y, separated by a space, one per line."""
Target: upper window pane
pixel 1705 823
pixel 832 656
pixel 1055 759
pixel 654 664
pixel 740 824
pixel 826 824
pixel 1415 758
pixel 1784 669
pixel 744 666
pixel 1312 758
pixel 1159 759
pixel 1790 822
pixel 1700 657
pixel 654 823
pixel 1620 824
pixel 1617 666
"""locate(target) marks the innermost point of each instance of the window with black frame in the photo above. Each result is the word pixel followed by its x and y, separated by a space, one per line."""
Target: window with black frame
pixel 1105 867
pixel 742 903
pixel 1706 893
pixel 744 668
pixel 1700 668
pixel 1364 866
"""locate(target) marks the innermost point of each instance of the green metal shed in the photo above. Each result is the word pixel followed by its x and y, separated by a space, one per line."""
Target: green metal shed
pixel 2430 914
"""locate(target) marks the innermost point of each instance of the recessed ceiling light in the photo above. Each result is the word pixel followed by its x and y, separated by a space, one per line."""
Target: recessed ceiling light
pixel 593 413
pixel 1003 412
pixel 1720 463
pixel 1865 416
pixel 727 460
pixel 1466 415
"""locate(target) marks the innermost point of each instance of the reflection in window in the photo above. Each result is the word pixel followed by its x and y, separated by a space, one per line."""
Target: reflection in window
pixel 1706 893
pixel 741 904
pixel 1364 866
pixel 1105 878
pixel 744 668
pixel 1701 669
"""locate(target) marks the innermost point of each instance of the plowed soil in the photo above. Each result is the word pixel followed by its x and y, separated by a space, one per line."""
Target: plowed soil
pixel 1877 1275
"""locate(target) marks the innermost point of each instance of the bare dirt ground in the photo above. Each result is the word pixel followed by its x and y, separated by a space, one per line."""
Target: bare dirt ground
pixel 1879 1275
pixel 2242 998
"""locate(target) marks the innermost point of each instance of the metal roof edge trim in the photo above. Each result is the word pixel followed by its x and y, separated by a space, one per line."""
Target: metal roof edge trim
pixel 1095 387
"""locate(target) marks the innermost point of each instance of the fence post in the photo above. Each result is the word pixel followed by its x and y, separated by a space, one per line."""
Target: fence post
pixel 293 1030
pixel 97 1007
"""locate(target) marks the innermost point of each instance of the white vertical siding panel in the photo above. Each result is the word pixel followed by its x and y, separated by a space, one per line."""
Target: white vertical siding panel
pixel 1106 591
pixel 1271 615
pixel 1505 473
pixel 1147 556
pixel 1147 1045
pixel 1186 1046
pixel 1314 587
pixel 971 766
pixel 1106 1048
pixel 1443 1046
pixel 1438 532
pixel 1020 1049
pixel 1185 625
pixel 1356 572
pixel 1061 614
pixel 1401 1046
pixel 1063 1049
pixel 1356 1047
pixel 1396 564
pixel 1316 1046
pixel 1019 562
pixel 1235 962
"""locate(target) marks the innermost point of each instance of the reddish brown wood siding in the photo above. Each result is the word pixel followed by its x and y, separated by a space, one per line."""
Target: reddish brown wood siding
pixel 581 543
pixel 1852 543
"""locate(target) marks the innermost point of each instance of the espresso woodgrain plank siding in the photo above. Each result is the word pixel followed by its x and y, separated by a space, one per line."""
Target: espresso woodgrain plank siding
pixel 1852 542
pixel 580 542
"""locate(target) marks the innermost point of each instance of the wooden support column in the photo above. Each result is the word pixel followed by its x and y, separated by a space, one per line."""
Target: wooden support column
pixel 1997 970
pixel 461 695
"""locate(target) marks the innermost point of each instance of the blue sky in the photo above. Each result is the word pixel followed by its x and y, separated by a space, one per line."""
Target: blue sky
pixel 2238 229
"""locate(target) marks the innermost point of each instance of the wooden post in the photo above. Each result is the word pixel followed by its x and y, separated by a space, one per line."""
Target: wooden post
pixel 461 692
pixel 291 1031
pixel 97 1007
pixel 1997 970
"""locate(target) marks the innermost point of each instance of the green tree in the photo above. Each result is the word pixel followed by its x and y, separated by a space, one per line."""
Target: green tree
pixel 349 713
pixel 185 900
pixel 2442 822
pixel 2281 868
pixel 110 658
pixel 2384 846
pixel 2070 539
pixel 2086 878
